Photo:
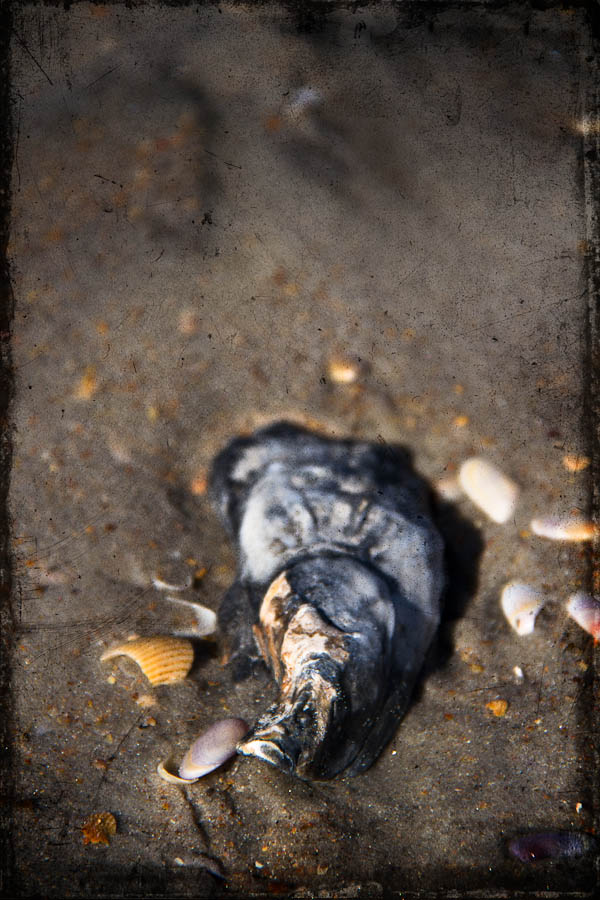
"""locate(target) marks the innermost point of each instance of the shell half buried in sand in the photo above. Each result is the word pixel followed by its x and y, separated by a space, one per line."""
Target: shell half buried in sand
pixel 585 610
pixel 340 573
pixel 569 527
pixel 488 488
pixel 213 748
pixel 162 659
pixel 521 604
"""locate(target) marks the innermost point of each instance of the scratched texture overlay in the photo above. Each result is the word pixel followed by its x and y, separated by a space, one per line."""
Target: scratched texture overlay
pixel 211 207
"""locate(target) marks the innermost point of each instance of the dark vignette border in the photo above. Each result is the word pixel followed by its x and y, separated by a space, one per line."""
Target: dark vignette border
pixel 308 17
pixel 6 396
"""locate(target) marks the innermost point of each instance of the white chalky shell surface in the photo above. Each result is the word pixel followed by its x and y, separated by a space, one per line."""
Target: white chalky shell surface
pixel 488 488
pixel 521 604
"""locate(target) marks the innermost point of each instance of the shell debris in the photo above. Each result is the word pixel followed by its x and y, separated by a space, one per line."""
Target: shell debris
pixel 206 618
pixel 343 370
pixel 575 462
pixel 520 605
pixel 163 660
pixel 585 610
pixel 489 488
pixel 497 707
pixel 214 747
pixel 99 828
pixel 569 527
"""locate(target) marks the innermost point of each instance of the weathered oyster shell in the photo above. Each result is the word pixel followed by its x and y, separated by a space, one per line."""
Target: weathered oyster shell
pixel 339 583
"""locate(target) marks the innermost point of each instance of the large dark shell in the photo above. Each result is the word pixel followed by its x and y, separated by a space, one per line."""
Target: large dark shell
pixel 339 583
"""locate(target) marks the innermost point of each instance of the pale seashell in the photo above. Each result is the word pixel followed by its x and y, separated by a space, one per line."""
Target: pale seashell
pixel 585 610
pixel 570 527
pixel 169 777
pixel 521 604
pixel 205 617
pixel 163 660
pixel 342 370
pixel 488 488
pixel 213 748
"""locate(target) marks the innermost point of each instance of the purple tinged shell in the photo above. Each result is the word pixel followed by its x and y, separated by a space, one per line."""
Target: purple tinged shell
pixel 214 747
pixel 551 845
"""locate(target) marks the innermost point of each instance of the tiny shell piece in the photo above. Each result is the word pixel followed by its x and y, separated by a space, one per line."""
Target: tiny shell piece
pixel 213 748
pixel 99 828
pixel 343 371
pixel 163 660
pixel 564 528
pixel 521 604
pixel 585 610
pixel 205 617
pixel 574 462
pixel 551 845
pixel 488 488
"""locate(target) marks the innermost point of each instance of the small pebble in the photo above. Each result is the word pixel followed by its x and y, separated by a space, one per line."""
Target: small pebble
pixel 489 489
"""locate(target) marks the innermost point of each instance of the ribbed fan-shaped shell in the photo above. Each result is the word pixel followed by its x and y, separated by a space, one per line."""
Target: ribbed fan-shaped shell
pixel 162 659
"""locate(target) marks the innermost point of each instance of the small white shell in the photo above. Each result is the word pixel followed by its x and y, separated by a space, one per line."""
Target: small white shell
pixel 585 610
pixel 213 748
pixel 343 370
pixel 521 604
pixel 570 527
pixel 205 617
pixel 488 488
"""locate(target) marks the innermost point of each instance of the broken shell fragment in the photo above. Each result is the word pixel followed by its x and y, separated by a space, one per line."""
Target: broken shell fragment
pixel 551 845
pixel 163 660
pixel 172 575
pixel 489 489
pixel 521 604
pixel 575 462
pixel 213 748
pixel 571 527
pixel 205 617
pixel 99 828
pixel 343 370
pixel 585 610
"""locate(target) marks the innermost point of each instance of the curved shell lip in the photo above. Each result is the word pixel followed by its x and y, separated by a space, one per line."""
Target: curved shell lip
pixel 169 776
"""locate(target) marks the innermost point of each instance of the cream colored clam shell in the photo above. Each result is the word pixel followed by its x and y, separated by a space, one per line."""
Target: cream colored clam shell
pixel 570 527
pixel 162 659
pixel 489 488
